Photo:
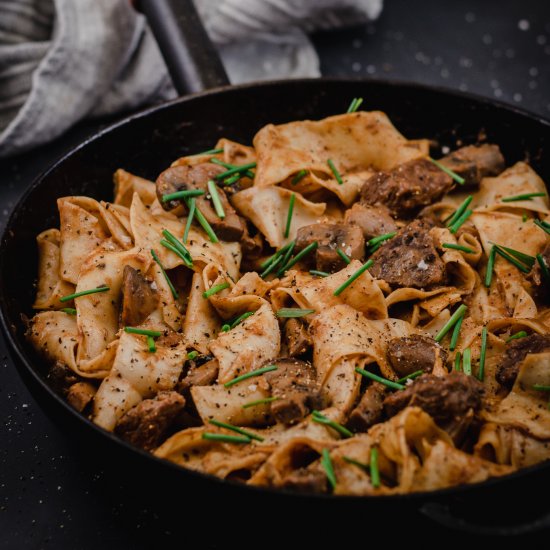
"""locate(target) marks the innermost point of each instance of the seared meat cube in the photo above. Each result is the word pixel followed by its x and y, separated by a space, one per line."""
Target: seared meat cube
pixel 305 480
pixel 331 237
pixel 372 220
pixel 540 286
pixel 409 354
pixel 297 338
pixel 199 375
pixel 146 424
pixel 180 178
pixel 61 378
pixel 475 162
pixel 295 385
pixel 410 258
pixel 139 299
pixel 80 395
pixel 370 409
pixel 516 352
pixel 407 188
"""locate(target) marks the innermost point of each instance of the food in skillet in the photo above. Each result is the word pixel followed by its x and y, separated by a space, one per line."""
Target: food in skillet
pixel 330 310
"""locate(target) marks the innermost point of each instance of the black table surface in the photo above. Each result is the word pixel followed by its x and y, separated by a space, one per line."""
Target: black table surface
pixel 50 497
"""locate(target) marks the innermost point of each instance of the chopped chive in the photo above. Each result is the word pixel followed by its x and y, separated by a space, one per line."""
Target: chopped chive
pixel 204 224
pixel 411 376
pixel 289 215
pixel 235 429
pixel 209 152
pixel 456 333
pixel 293 312
pixel 459 179
pixel 177 252
pixel 298 177
pixel 192 355
pixel 143 332
pixel 226 438
pixel 320 418
pixel 326 462
pixel 467 361
pixel 461 310
pixel 192 207
pixel 458 360
pixel 271 267
pixel 222 163
pixel 215 289
pixel 516 336
pixel 512 260
pixel 241 318
pixel 250 374
pixel 216 201
pixel 389 383
pixel 541 387
pixel 293 261
pixel 541 224
pixel 490 266
pixel 524 217
pixel 69 310
pixel 458 247
pixel 343 255
pixel 525 258
pixel 354 105
pixel 168 281
pixel 183 252
pixel 335 172
pixel 319 273
pixel 260 402
pixel 287 255
pixel 227 165
pixel 279 252
pixel 182 195
pixel 380 239
pixel 356 463
pixel 483 353
pixel 151 344
pixel 458 224
pixel 226 328
pixel 235 170
pixel 232 179
pixel 543 268
pixel 374 470
pixel 524 197
pixel 84 293
pixel 352 278
pixel 459 211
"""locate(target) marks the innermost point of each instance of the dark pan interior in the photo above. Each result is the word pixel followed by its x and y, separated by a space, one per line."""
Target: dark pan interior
pixel 147 143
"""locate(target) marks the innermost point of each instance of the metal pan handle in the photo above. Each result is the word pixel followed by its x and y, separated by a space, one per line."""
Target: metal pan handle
pixel 191 58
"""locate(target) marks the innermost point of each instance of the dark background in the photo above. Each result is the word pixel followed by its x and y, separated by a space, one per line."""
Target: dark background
pixel 51 494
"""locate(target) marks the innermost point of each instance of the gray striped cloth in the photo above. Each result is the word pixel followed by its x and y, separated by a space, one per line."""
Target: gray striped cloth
pixel 64 60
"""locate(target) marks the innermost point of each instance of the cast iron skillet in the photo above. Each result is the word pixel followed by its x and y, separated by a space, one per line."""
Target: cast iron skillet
pixel 146 143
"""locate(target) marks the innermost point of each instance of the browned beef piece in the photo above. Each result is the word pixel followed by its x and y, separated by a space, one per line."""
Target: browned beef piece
pixel 475 162
pixel 516 352
pixel 251 246
pixel 139 299
pixel 61 378
pixel 445 398
pixel 295 385
pixel 331 237
pixel 305 480
pixel 199 375
pixel 409 354
pixel 540 286
pixel 407 188
pixel 80 395
pixel 372 220
pixel 146 424
pixel 180 178
pixel 410 258
pixel 297 338
pixel 370 409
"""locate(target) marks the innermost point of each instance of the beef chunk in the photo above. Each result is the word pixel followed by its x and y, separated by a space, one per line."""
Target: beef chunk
pixel 331 237
pixel 61 378
pixel 180 178
pixel 295 385
pixel 445 398
pixel 409 354
pixel 305 480
pixel 297 337
pixel 410 258
pixel 80 394
pixel 540 287
pixel 475 162
pixel 516 351
pixel 407 188
pixel 146 424
pixel 372 220
pixel 139 299
pixel 370 410
pixel 199 375
pixel 251 247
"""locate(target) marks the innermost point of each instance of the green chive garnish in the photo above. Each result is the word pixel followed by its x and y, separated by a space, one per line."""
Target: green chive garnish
pixel 192 207
pixel 260 402
pixel 335 172
pixel 209 152
pixel 451 322
pixel 177 252
pixel 235 177
pixel 541 387
pixel 389 383
pixel 458 247
pixel 490 266
pixel 204 224
pixel 524 197
pixel 458 359
pixel 215 289
pixel 235 170
pixel 458 224
pixel 168 281
pixel 322 419
pixel 354 105
pixel 226 438
pixel 543 268
pixel 293 312
pixel 235 429
pixel 343 255
pixel 459 211
pixel 353 277
pixel 483 353
pixel 143 332
pixel 467 361
pixel 216 201
pixel 525 258
pixel 380 239
pixel 279 252
pixel 511 259
pixel 374 470
pixel 151 344
pixel 192 355
pixel 459 179
pixel 411 376
pixel 319 273
pixel 289 215
pixel 69 310
pixel 271 267
pixel 298 177
pixel 250 374
pixel 226 328
pixel 456 333
pixel 181 251
pixel 84 293
pixel 287 256
pixel 293 261
pixel 241 318
pixel 326 462
pixel 357 463
pixel 543 225
pixel 182 195
pixel 516 336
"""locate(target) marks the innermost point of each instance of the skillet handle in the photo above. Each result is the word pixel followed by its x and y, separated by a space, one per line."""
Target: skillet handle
pixel 191 58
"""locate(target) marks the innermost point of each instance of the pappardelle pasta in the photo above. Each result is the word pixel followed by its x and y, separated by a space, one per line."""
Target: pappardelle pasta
pixel 329 310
